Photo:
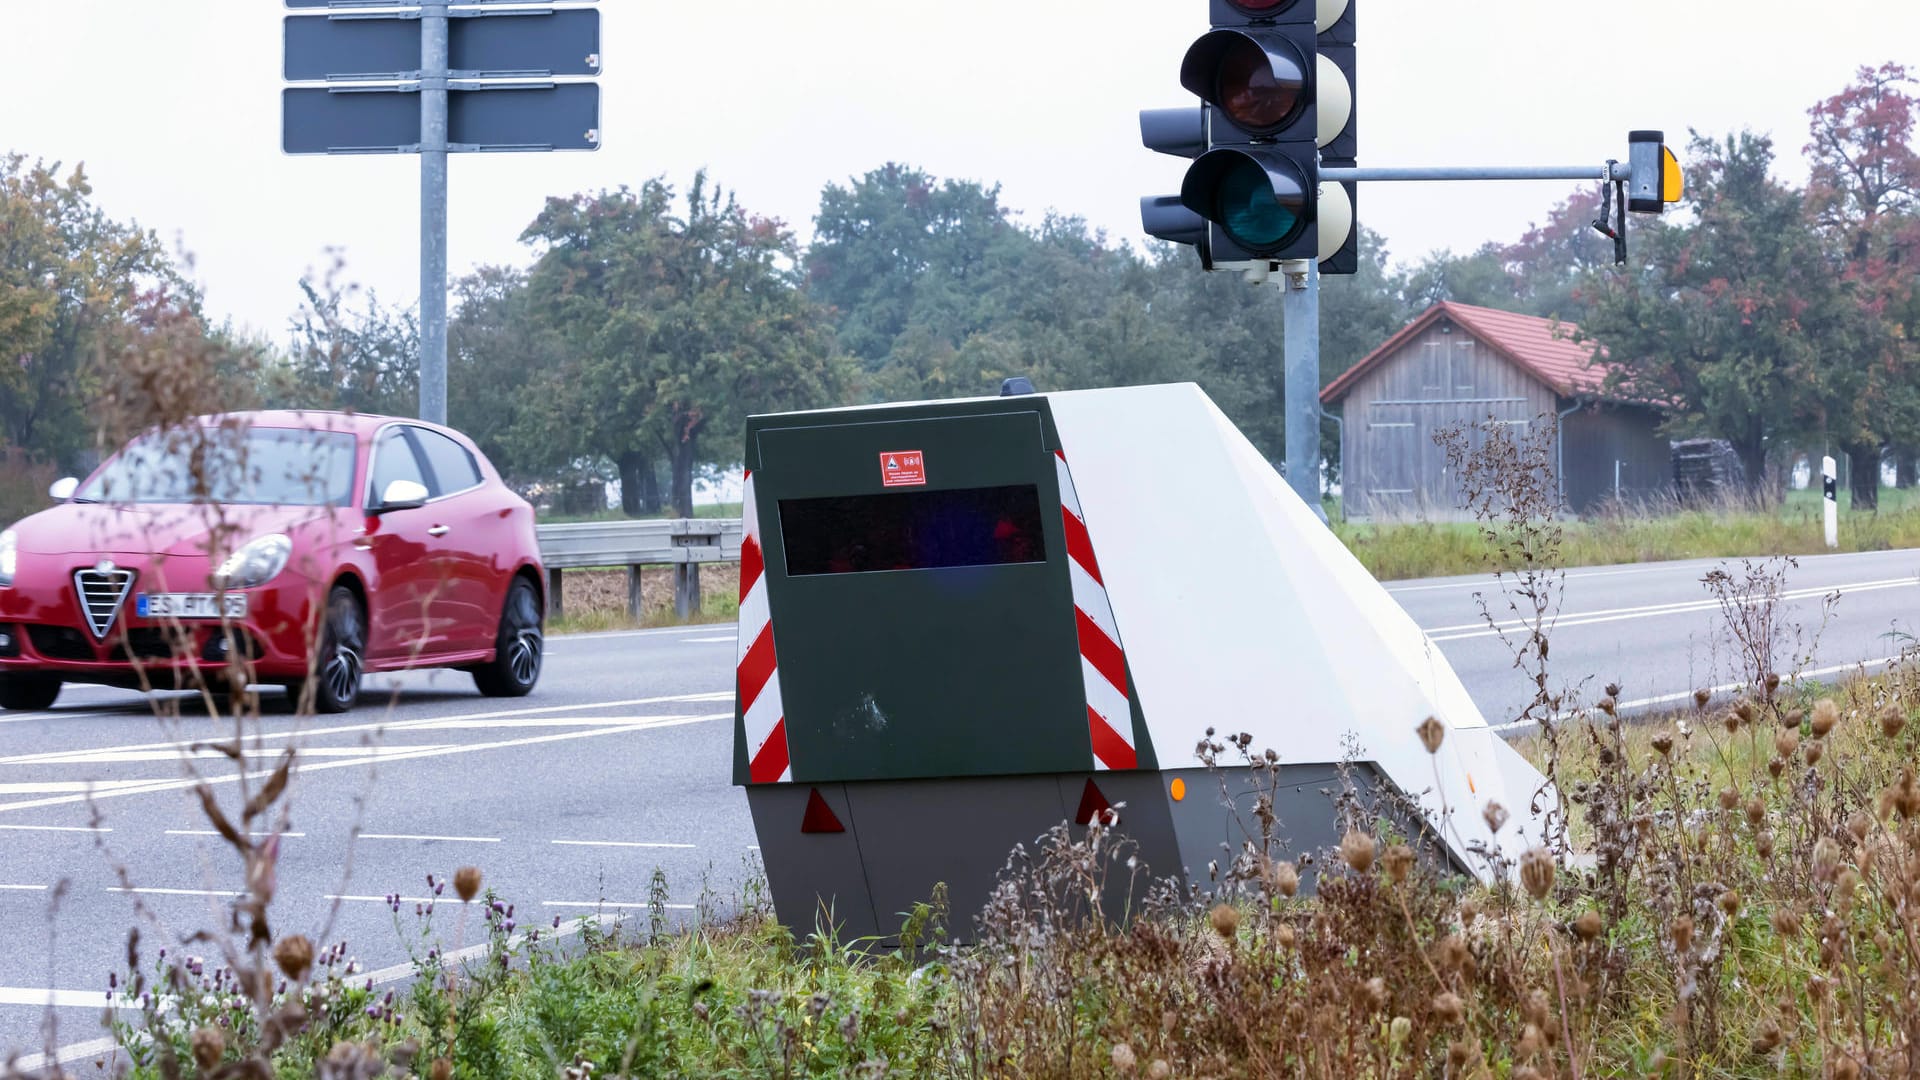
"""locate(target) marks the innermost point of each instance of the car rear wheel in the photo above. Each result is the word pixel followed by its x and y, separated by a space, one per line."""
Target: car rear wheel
pixel 28 691
pixel 518 648
pixel 340 662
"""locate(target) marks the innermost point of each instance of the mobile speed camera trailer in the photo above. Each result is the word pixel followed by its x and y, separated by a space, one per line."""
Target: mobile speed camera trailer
pixel 963 623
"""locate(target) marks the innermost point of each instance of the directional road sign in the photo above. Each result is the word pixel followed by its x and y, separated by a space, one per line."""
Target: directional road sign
pixel 550 42
pixel 386 120
pixel 342 5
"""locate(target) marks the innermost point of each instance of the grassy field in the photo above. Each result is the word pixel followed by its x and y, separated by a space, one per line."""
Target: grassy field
pixel 1426 549
pixel 1751 909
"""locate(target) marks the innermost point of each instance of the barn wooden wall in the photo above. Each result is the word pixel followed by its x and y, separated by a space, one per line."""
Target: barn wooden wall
pixel 1392 468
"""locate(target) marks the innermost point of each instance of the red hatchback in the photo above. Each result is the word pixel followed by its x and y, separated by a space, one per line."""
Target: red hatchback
pixel 300 548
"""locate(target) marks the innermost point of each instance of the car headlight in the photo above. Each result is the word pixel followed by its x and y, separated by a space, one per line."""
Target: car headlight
pixel 259 562
pixel 9 557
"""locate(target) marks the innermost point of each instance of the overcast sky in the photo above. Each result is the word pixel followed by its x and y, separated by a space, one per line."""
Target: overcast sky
pixel 174 108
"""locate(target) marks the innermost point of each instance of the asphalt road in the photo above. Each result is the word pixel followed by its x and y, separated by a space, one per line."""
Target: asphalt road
pixel 620 764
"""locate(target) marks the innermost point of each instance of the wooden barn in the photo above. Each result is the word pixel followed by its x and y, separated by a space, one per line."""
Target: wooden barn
pixel 1457 362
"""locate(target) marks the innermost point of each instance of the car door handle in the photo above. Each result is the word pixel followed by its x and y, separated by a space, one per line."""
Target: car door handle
pixel 437 530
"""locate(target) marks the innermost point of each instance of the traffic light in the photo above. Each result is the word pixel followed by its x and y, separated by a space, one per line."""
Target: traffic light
pixel 1273 101
pixel 1654 173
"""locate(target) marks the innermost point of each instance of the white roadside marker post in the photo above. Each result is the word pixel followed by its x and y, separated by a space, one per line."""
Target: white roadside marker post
pixel 1829 476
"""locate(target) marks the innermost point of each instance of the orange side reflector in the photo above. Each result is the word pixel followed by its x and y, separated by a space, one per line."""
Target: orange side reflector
pixel 819 816
pixel 1178 789
pixel 1470 788
pixel 1091 804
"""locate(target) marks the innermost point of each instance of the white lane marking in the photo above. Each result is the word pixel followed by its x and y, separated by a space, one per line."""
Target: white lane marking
pixel 55 787
pixel 124 757
pixel 389 899
pixel 66 999
pixel 1684 607
pixel 636 724
pixel 23 888
pixel 56 714
pixel 1490 580
pixel 396 725
pixel 730 639
pixel 58 828
pixel 619 843
pixel 1687 695
pixel 148 890
pixel 615 635
pixel 451 839
pixel 610 904
pixel 216 832
pixel 1679 567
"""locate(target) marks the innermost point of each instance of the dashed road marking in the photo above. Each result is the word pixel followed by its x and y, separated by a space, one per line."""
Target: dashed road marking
pixel 216 832
pixel 149 890
pixel 58 828
pixel 610 904
pixel 411 836
pixel 621 843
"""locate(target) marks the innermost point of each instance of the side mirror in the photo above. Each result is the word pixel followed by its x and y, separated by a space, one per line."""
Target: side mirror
pixel 402 495
pixel 63 488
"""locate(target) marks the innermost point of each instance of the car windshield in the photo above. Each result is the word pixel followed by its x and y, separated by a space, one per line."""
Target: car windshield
pixel 255 466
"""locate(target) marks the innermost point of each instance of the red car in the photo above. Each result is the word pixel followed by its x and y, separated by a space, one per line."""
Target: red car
pixel 302 548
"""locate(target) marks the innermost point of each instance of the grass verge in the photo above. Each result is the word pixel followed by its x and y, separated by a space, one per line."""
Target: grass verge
pixel 1435 549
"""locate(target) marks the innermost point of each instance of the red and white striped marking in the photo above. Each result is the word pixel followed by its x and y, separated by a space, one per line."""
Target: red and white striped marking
pixel 757 674
pixel 1103 663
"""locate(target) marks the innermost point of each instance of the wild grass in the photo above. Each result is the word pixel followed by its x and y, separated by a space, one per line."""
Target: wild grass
pixel 1434 549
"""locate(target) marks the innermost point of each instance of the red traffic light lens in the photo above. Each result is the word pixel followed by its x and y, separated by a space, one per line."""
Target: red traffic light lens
pixel 1255 93
pixel 1262 7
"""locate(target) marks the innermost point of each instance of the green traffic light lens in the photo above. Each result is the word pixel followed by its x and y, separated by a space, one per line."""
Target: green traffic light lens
pixel 1252 214
pixel 1254 95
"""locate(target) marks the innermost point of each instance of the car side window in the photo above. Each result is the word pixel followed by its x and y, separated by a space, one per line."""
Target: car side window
pixel 393 459
pixel 453 468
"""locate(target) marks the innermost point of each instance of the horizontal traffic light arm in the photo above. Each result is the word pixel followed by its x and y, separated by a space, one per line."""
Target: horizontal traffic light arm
pixel 1616 171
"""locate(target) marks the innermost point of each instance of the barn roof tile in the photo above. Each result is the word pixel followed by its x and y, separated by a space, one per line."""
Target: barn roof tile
pixel 1544 348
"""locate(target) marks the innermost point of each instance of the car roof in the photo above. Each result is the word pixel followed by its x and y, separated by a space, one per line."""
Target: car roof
pixel 357 423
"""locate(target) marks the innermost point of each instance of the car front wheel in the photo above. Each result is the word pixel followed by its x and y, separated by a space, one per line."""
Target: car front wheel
pixel 518 648
pixel 28 692
pixel 340 662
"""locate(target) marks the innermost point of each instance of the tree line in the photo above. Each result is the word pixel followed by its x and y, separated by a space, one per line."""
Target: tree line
pixel 646 323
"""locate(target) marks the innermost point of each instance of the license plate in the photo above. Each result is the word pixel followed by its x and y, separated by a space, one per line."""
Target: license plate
pixel 190 605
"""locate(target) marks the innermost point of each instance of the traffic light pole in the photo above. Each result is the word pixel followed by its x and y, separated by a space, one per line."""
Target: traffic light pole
pixel 1300 287
pixel 433 211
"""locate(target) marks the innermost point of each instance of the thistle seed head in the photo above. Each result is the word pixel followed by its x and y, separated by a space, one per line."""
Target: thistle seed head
pixel 466 882
pixel 1225 919
pixel 1356 850
pixel 1680 931
pixel 1536 872
pixel 1397 861
pixel 208 1046
pixel 1588 925
pixel 1825 715
pixel 1432 734
pixel 1892 721
pixel 294 955
pixel 1495 815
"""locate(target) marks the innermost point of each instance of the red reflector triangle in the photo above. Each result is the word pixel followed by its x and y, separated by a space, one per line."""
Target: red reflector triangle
pixel 819 816
pixel 1091 803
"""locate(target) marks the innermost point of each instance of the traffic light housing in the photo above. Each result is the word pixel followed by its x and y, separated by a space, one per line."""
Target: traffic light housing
pixel 1276 77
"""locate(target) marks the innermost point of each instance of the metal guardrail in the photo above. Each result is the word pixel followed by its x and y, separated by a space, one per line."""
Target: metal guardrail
pixel 683 543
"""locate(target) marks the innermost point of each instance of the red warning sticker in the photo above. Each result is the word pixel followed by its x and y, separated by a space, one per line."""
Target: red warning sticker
pixel 902 468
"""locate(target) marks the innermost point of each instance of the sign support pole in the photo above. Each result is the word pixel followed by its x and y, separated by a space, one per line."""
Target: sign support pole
pixel 1300 287
pixel 433 211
